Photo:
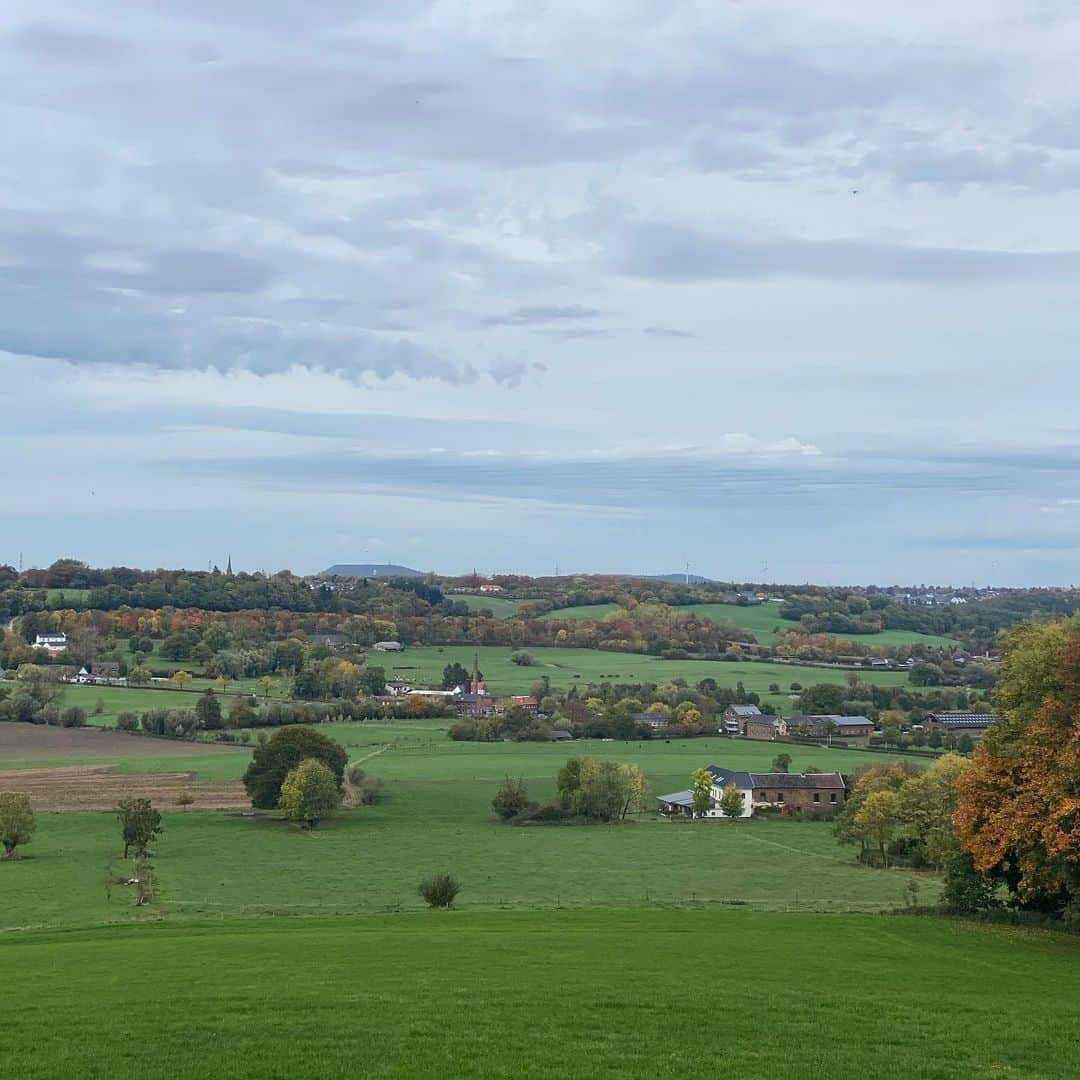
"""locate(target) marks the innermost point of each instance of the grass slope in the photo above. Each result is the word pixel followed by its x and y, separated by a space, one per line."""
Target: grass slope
pixel 542 994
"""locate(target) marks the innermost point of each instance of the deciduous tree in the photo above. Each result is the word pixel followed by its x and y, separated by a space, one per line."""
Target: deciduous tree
pixel 309 793
pixel 16 821
pixel 701 791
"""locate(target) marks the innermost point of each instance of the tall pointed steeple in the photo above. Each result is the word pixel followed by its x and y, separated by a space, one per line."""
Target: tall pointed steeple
pixel 228 567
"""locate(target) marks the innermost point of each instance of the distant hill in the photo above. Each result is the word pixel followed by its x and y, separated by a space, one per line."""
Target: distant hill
pixel 371 570
pixel 679 579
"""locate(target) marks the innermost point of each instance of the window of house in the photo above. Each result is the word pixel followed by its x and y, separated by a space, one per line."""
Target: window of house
pixel 760 794
pixel 832 796
pixel 779 796
pixel 817 797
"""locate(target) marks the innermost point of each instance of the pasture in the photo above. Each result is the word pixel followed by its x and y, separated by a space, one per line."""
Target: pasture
pixel 569 667
pixel 582 612
pixel 762 620
pixel 500 607
pixel 543 994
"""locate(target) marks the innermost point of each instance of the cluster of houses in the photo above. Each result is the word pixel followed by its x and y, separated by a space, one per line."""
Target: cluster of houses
pixel 471 698
pixel 809 794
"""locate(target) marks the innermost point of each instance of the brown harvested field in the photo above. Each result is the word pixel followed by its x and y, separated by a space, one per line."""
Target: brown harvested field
pixel 75 788
pixel 36 742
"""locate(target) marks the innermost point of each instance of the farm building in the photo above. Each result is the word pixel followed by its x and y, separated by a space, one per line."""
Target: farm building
pixel 819 726
pixel 734 718
pixel 765 727
pixel 52 643
pixel 970 723
pixel 807 793
pixel 388 646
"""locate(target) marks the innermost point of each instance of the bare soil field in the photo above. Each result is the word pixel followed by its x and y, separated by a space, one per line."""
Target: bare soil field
pixel 78 788
pixel 37 742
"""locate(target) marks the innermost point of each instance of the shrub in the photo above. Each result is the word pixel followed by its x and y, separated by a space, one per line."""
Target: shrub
pixel 127 721
pixel 99 707
pixel 185 798
pixel 364 790
pixel 439 890
pixel 73 717
pixel 511 798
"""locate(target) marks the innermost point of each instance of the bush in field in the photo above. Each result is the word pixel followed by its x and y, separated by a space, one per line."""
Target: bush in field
pixel 185 798
pixel 273 760
pixel 99 707
pixel 309 793
pixel 127 721
pixel 16 821
pixel 511 798
pixel 73 717
pixel 363 790
pixel 439 890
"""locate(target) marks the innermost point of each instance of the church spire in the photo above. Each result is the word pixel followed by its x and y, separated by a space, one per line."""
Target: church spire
pixel 228 567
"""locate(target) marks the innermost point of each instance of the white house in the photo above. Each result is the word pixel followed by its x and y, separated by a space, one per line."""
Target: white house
pixel 52 643
pixel 491 588
pixel 388 646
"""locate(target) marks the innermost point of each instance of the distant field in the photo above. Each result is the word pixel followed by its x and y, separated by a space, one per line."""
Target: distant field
pixel 585 611
pixel 497 605
pixel 763 619
pixel 568 667
pixel 59 599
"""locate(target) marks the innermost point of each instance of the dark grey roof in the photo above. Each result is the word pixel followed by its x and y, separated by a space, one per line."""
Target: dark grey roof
pixel 723 777
pixel 745 710
pixel 971 720
pixel 559 735
pixel 792 781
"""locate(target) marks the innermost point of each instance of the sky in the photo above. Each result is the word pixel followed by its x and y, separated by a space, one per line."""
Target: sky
pixel 783 291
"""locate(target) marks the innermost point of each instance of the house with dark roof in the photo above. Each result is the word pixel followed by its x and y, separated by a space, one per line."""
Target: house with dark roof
pixel 765 727
pixel 822 725
pixel 806 793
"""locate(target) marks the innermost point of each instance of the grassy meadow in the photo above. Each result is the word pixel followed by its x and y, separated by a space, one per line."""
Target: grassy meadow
pixel 567 667
pixel 582 612
pixel 545 994
pixel 500 607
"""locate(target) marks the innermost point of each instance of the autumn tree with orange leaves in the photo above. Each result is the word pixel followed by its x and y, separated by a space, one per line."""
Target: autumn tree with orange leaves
pixel 1018 811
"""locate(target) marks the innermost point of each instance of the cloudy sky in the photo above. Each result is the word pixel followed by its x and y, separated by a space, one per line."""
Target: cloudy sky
pixel 786 290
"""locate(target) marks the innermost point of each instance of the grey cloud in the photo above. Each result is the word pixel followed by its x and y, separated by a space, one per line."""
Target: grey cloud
pixel 540 314
pixel 675 253
pixel 667 332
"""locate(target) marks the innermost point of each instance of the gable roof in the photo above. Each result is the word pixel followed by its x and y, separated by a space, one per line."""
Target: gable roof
pixel 745 710
pixel 722 777
pixel 789 781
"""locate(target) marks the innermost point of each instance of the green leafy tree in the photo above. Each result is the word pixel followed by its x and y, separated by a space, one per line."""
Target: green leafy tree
pixel 309 793
pixel 453 675
pixel 822 699
pixel 140 823
pixel 281 753
pixel 701 791
pixel 731 801
pixel 781 763
pixel 208 711
pixel 16 821
pixel 439 890
pixel 875 821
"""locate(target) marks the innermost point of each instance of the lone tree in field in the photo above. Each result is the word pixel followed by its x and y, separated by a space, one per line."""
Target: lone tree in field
pixel 781 763
pixel 731 802
pixel 180 678
pixel 16 821
pixel 309 793
pixel 701 790
pixel 140 822
pixel 281 753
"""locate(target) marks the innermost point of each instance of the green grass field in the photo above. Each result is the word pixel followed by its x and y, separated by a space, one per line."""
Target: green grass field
pixel 763 619
pixel 543 994
pixel 497 605
pixel 586 611
pixel 59 599
pixel 567 667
